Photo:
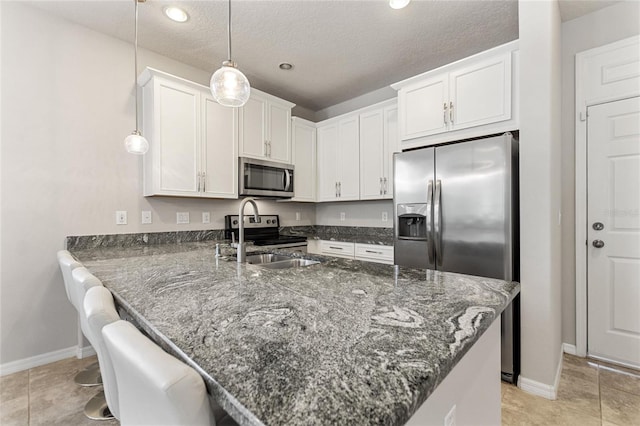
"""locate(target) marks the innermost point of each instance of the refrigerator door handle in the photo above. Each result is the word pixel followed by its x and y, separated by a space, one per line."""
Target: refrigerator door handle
pixel 430 247
pixel 437 222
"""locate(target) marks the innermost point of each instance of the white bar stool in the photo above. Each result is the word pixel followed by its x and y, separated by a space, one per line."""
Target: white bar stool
pixel 90 376
pixel 154 388
pixel 83 280
pixel 101 311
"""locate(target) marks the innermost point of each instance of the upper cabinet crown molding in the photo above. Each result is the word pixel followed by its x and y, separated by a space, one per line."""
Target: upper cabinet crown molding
pixel 471 97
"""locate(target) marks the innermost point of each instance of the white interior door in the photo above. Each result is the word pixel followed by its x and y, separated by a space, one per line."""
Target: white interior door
pixel 613 271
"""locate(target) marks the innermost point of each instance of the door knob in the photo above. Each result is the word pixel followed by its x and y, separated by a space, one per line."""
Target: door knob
pixel 598 226
pixel 598 243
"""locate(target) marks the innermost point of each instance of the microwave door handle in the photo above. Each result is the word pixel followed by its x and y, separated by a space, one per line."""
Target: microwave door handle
pixel 287 179
pixel 430 236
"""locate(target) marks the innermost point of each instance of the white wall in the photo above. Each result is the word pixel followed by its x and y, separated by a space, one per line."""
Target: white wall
pixel 362 101
pixel 357 213
pixel 67 97
pixel 540 133
pixel 605 26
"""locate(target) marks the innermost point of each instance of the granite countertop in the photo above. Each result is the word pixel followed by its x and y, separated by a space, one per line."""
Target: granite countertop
pixel 340 342
pixel 347 234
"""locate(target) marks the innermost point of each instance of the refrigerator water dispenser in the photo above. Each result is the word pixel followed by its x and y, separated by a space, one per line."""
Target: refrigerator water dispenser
pixel 412 221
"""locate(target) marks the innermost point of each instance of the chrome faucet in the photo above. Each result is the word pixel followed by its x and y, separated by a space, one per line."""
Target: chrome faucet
pixel 242 251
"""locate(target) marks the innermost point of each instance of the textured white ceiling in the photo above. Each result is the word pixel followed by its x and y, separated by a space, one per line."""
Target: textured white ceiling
pixel 340 49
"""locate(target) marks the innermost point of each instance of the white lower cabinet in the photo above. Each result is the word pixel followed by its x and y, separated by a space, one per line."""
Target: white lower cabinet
pixel 374 253
pixel 193 141
pixel 337 248
pixel 366 252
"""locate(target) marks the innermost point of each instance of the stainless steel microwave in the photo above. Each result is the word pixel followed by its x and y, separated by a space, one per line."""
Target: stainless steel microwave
pixel 265 178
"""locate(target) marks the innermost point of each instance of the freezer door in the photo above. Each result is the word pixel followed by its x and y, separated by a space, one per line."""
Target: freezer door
pixel 413 219
pixel 473 207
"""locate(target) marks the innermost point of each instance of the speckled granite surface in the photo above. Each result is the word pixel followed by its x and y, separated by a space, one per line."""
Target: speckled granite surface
pixel 141 239
pixel 341 342
pixel 348 234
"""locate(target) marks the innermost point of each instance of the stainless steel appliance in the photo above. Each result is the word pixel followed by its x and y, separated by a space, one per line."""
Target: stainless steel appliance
pixel 265 178
pixel 456 210
pixel 264 233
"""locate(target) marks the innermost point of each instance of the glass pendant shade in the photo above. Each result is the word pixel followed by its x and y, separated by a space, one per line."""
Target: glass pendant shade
pixel 135 143
pixel 229 86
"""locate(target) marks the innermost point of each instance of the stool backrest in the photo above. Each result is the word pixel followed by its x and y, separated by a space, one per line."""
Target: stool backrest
pixel 154 387
pixel 83 280
pixel 67 265
pixel 101 311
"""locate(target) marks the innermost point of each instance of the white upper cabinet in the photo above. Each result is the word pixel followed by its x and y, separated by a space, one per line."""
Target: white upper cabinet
pixel 378 142
pixel 472 97
pixel 304 159
pixel 265 128
pixel 339 159
pixel 192 140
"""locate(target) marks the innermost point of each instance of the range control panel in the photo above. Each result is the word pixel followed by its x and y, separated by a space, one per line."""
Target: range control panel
pixel 265 221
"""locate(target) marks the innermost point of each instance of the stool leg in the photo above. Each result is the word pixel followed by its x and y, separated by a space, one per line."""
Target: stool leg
pixel 90 376
pixel 97 409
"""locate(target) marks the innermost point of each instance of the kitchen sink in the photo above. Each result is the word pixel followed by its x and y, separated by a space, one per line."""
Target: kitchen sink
pixel 278 261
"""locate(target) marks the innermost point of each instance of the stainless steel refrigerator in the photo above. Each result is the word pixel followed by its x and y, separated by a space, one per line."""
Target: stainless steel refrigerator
pixel 456 210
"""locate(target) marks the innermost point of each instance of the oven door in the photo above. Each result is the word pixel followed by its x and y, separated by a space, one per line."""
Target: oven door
pixel 265 178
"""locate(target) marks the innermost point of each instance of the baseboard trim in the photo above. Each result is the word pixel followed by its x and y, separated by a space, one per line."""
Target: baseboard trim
pixel 541 389
pixel 85 352
pixel 569 349
pixel 37 361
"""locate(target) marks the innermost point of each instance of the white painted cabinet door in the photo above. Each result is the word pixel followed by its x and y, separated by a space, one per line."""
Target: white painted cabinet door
pixel 372 154
pixel 613 251
pixel 219 150
pixel 279 133
pixel 349 159
pixel 176 140
pixel 328 162
pixel 481 93
pixel 422 107
pixel 391 145
pixel 304 160
pixel 253 131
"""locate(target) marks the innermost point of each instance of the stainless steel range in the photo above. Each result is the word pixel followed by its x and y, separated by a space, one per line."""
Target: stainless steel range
pixel 264 233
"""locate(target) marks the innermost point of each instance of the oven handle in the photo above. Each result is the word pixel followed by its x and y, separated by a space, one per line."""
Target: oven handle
pixel 287 180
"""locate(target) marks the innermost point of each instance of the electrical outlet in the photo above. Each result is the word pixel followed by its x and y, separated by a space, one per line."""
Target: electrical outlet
pixel 146 216
pixel 450 418
pixel 343 216
pixel 206 217
pixel 385 216
pixel 297 215
pixel 121 217
pixel 182 217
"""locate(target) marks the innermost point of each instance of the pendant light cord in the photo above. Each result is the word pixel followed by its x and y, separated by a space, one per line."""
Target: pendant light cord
pixel 229 31
pixel 135 66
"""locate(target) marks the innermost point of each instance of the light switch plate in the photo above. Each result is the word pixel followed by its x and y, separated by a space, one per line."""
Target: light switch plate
pixel 182 218
pixel 121 217
pixel 146 217
pixel 297 215
pixel 450 418
pixel 343 216
pixel 206 217
pixel 385 216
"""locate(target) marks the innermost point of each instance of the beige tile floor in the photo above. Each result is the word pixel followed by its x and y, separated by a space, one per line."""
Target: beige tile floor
pixel 590 393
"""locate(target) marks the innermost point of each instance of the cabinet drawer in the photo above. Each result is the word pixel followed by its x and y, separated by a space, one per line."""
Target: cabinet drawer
pixel 374 253
pixel 337 248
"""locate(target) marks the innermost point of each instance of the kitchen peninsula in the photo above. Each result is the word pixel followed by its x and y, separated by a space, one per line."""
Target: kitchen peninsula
pixel 339 342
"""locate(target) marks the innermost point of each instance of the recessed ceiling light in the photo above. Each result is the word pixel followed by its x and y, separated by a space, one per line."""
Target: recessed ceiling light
pixel 285 66
pixel 398 4
pixel 176 14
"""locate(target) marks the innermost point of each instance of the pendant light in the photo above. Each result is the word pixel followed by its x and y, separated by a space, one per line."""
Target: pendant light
pixel 135 143
pixel 229 86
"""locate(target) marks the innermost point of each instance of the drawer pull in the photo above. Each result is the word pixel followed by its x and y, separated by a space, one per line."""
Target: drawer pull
pixel 335 248
pixel 371 251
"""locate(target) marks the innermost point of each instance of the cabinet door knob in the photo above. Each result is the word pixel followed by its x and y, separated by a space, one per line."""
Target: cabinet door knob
pixel 451 112
pixel 199 181
pixel 381 189
pixel 444 113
